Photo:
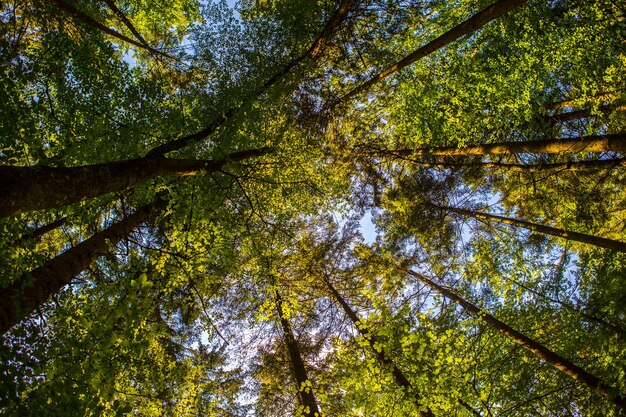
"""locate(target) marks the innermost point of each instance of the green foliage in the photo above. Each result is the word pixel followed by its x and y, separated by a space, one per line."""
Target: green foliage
pixel 185 316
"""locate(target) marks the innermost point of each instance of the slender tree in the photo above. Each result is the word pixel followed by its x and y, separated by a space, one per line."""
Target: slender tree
pixel 552 231
pixel 387 363
pixel 587 165
pixel 598 143
pixel 42 230
pixel 471 25
pixel 90 21
pixel 305 393
pixel 580 114
pixel 559 362
pixel 41 187
pixel 129 25
pixel 313 52
pixel 32 289
pixel 605 97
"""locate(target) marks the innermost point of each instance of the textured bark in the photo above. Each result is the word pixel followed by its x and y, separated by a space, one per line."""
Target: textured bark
pixel 305 396
pixel 29 292
pixel 88 20
pixel 313 52
pixel 491 12
pixel 559 362
pixel 40 187
pixel 600 143
pixel 595 164
pixel 387 363
pixel 552 231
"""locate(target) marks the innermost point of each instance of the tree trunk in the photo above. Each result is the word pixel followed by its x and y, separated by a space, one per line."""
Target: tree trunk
pixel 600 143
pixel 40 231
pixel 111 4
pixel 313 52
pixel 387 363
pixel 606 97
pixel 40 187
pixel 579 114
pixel 471 25
pixel 305 392
pixel 552 231
pixel 595 164
pixel 90 21
pixel 29 292
pixel 559 362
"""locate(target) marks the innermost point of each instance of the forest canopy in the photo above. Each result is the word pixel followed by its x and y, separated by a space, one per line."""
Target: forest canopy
pixel 313 208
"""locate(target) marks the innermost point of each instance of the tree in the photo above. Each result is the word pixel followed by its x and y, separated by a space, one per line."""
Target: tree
pixel 22 297
pixel 185 184
pixel 40 187
pixel 559 362
pixel 303 385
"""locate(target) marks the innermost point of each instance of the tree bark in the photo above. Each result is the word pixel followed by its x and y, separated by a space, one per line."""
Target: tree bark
pixel 597 144
pixel 562 364
pixel 313 52
pixel 305 393
pixel 552 231
pixel 40 187
pixel 591 165
pixel 491 12
pixel 31 290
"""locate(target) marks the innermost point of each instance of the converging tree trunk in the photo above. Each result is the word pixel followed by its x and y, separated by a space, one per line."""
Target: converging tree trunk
pixel 580 114
pixel 562 364
pixel 387 363
pixel 598 143
pixel 313 52
pixel 305 391
pixel 604 97
pixel 40 187
pixel 90 21
pixel 42 230
pixel 471 25
pixel 552 231
pixel 590 165
pixel 23 296
pixel 111 4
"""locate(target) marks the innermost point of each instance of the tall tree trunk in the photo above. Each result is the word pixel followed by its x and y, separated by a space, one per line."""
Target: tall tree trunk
pixel 605 97
pixel 313 52
pixel 387 363
pixel 580 114
pixel 471 25
pixel 129 25
pixel 595 164
pixel 90 21
pixel 552 231
pixel 40 187
pixel 599 143
pixel 559 362
pixel 305 393
pixel 29 292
